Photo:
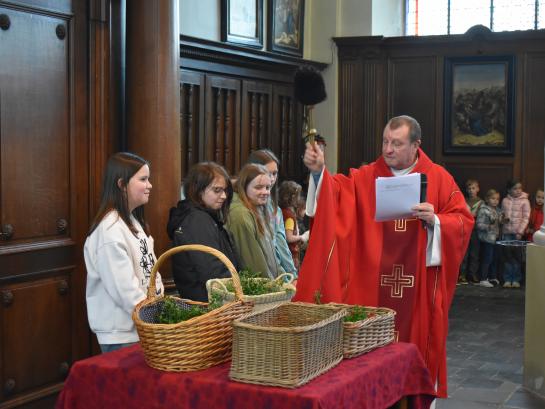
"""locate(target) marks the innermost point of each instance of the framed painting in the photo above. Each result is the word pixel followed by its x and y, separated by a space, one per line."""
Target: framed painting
pixel 479 105
pixel 286 26
pixel 242 22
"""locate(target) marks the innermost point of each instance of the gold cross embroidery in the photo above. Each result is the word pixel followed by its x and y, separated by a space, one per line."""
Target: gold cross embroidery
pixel 401 224
pixel 397 281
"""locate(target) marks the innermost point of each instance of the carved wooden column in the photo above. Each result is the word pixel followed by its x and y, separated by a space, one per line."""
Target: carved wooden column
pixel 153 103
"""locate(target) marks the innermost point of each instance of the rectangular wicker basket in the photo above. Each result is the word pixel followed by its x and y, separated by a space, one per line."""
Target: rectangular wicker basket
pixel 287 345
pixel 363 336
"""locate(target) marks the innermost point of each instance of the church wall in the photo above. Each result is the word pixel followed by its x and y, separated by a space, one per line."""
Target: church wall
pixel 201 19
pixel 382 77
pixel 388 17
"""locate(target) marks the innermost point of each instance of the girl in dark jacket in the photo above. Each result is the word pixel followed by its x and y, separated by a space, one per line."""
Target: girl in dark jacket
pixel 199 219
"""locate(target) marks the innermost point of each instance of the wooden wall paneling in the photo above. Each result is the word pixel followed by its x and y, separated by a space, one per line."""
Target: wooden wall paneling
pixel 222 124
pixel 44 125
pixel 533 122
pixel 286 137
pixel 374 110
pixel 363 96
pixel 44 190
pixel 34 303
pixel 351 113
pixel 489 175
pixel 248 96
pixel 256 117
pixel 412 91
pixel 191 119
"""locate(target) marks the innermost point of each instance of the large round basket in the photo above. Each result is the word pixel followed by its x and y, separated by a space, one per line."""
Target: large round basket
pixel 194 344
pixel 262 301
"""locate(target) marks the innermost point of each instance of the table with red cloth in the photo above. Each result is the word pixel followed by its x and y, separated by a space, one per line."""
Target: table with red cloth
pixel 122 379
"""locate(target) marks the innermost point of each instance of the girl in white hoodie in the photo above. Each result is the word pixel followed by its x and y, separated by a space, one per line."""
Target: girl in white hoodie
pixel 119 252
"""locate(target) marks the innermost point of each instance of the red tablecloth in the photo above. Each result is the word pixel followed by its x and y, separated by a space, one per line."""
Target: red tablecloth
pixel 121 379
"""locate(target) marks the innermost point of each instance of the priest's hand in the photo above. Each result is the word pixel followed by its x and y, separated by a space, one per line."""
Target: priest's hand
pixel 426 212
pixel 314 158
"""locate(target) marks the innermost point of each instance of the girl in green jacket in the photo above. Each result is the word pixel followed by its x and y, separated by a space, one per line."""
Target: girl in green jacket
pixel 247 221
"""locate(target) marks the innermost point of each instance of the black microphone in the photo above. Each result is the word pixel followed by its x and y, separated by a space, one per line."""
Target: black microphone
pixel 423 191
pixel 423 187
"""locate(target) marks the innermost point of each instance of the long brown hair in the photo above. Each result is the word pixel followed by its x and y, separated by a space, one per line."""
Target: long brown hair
pixel 263 157
pixel 121 166
pixel 248 173
pixel 200 176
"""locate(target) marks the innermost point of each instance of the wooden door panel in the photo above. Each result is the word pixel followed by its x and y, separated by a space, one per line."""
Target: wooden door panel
pixel 35 315
pixel 44 195
pixel 35 111
pixel 256 116
pixel 222 127
pixel 192 118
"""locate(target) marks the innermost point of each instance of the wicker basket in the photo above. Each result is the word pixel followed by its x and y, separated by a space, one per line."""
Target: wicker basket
pixel 261 302
pixel 363 336
pixel 287 345
pixel 189 345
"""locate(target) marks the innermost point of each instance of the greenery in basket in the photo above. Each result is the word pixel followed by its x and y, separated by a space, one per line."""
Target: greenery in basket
pixel 172 313
pixel 357 313
pixel 251 286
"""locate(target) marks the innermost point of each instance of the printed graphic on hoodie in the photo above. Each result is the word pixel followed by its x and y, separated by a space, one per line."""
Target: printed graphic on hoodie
pixel 146 262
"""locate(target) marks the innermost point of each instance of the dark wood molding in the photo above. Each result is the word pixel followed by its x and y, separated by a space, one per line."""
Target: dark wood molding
pixel 223 53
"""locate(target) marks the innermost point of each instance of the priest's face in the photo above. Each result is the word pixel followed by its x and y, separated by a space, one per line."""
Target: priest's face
pixel 397 149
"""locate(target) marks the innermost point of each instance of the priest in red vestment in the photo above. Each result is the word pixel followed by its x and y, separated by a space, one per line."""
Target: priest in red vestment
pixel 409 265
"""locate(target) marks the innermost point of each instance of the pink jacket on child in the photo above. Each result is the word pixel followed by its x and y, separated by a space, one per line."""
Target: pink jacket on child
pixel 517 210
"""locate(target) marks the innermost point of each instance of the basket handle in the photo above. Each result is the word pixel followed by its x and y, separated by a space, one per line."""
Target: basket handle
pixel 289 275
pixel 219 283
pixel 195 247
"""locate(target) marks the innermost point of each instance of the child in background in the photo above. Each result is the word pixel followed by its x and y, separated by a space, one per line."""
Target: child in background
pixel 516 209
pixel 536 215
pixel 302 223
pixel 489 219
pixel 470 264
pixel 289 196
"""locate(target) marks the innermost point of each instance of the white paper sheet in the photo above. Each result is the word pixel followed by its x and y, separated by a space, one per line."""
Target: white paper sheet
pixel 395 196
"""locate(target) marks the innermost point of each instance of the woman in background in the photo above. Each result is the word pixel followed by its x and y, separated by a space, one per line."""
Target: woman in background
pixel 199 219
pixel 248 221
pixel 282 252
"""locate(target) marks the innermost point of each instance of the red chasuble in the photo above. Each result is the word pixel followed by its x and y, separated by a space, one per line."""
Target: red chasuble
pixel 355 260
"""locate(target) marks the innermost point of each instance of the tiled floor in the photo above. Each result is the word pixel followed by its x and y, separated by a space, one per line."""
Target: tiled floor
pixel 485 351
